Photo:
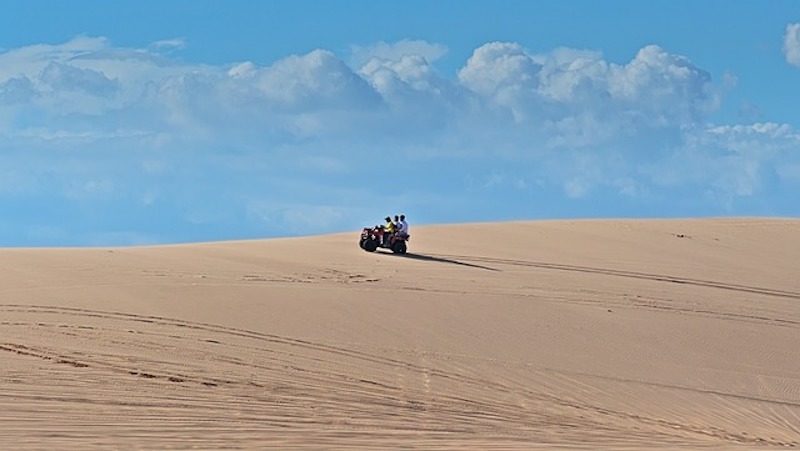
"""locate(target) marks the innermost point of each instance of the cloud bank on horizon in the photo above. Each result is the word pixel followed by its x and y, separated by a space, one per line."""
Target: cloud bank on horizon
pixel 106 145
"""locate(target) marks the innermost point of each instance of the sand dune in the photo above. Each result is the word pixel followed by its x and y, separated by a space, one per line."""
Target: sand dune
pixel 617 334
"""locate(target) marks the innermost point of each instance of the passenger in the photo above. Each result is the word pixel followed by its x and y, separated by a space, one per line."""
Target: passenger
pixel 403 228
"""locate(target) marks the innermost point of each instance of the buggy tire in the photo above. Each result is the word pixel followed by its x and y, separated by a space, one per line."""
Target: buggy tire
pixel 370 245
pixel 399 247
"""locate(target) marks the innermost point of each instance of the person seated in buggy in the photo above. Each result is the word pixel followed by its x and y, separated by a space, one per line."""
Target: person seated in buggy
pixel 402 227
pixel 388 230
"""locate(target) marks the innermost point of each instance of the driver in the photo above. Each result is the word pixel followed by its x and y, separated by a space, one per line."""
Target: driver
pixel 389 228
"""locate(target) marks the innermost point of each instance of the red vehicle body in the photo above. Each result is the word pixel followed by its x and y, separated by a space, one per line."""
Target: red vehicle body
pixel 374 237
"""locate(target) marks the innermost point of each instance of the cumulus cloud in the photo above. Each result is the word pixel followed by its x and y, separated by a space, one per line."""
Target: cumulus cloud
pixel 415 92
pixel 282 143
pixel 663 86
pixel 62 77
pixel 317 80
pixel 29 61
pixel 791 44
pixel 396 51
pixel 554 95
pixel 656 87
pixel 505 75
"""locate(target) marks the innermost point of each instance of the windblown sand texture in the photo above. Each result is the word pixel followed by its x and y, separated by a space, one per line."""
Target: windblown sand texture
pixel 607 334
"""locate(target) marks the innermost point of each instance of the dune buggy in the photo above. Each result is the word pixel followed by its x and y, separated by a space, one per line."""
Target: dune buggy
pixel 374 237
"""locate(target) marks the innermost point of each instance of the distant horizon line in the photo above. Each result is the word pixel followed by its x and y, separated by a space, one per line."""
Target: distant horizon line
pixel 423 225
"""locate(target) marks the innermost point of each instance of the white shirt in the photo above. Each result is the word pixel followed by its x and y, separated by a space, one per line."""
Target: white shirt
pixel 404 226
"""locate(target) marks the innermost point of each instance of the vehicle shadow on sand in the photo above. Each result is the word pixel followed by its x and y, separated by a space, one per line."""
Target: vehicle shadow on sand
pixel 429 258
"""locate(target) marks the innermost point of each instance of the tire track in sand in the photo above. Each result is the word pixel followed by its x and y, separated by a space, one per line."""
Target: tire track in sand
pixel 628 274
pixel 290 383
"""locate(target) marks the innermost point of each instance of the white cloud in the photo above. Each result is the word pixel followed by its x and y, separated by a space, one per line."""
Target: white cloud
pixel 731 161
pixel 656 88
pixel 570 76
pixel 243 70
pixel 791 44
pixel 554 95
pixel 396 51
pixel 411 70
pixel 503 73
pixel 758 139
pixel 663 87
pixel 169 44
pixel 29 61
pixel 317 80
pixel 282 144
pixel 412 89
pixel 65 78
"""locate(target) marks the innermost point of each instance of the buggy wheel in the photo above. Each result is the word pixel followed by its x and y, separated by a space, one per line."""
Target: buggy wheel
pixel 399 247
pixel 370 245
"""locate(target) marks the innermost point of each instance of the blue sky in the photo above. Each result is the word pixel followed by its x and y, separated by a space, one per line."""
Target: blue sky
pixel 146 122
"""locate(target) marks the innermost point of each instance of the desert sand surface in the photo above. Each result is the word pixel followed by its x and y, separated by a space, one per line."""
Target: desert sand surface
pixel 585 334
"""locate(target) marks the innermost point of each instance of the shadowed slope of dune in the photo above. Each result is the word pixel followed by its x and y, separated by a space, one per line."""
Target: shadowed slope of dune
pixel 573 334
